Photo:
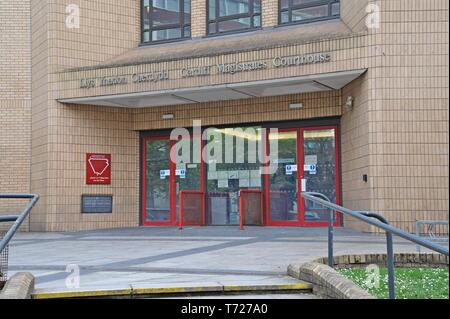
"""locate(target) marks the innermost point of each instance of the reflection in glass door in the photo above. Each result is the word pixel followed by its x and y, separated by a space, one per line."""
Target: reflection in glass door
pixel 238 169
pixel 164 179
pixel 283 184
pixel 319 172
pixel 307 161
pixel 188 173
pixel 157 186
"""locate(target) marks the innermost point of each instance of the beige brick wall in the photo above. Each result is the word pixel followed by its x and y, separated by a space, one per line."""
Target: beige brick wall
pixel 61 135
pixel 15 103
pixel 354 14
pixel 198 14
pixel 409 112
pixel 82 130
pixel 269 14
pixel 39 130
pixel 355 156
pixel 323 104
pixel 107 28
pixel 402 143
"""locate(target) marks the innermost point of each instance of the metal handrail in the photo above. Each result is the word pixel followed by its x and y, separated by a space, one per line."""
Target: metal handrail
pixel 374 219
pixel 17 219
pixel 430 224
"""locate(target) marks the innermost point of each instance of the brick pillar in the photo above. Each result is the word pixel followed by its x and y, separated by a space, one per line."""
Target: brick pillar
pixel 269 13
pixel 198 18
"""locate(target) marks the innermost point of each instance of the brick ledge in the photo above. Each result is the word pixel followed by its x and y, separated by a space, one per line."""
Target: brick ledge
pixel 19 286
pixel 328 283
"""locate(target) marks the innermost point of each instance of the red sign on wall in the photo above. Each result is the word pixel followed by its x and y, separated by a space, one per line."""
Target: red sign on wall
pixel 98 169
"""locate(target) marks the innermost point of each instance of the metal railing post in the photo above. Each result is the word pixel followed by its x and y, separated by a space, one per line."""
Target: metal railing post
pixel 330 239
pixel 417 234
pixel 330 228
pixel 180 222
pixel 390 265
pixel 389 252
pixel 431 224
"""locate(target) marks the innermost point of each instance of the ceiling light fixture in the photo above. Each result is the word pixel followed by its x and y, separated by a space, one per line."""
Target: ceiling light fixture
pixel 295 106
pixel 168 116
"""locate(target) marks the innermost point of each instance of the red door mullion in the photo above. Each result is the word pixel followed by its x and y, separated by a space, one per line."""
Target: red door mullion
pixel 338 172
pixel 266 178
pixel 172 186
pixel 300 176
pixel 202 181
pixel 144 182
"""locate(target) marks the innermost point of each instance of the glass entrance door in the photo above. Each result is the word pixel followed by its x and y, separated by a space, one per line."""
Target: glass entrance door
pixel 319 172
pixel 307 161
pixel 157 187
pixel 237 168
pixel 163 179
pixel 283 183
pixel 188 172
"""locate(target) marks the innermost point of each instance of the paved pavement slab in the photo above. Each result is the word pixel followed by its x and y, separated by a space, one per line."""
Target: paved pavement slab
pixel 140 257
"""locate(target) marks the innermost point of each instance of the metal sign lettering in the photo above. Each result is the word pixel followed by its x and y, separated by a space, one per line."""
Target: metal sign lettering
pixel 207 70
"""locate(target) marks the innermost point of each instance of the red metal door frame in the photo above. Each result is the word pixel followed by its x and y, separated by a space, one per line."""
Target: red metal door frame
pixel 172 183
pixel 300 176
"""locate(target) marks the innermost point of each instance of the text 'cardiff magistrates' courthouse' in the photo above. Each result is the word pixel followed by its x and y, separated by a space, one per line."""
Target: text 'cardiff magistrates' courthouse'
pixel 351 96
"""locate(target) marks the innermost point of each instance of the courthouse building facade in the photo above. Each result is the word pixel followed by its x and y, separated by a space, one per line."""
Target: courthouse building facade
pixel 354 92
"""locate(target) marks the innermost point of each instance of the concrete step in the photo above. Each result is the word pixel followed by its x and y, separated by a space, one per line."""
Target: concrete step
pixel 200 291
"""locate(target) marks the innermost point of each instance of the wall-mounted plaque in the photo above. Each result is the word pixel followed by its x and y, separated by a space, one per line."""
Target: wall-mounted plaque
pixel 96 204
pixel 98 169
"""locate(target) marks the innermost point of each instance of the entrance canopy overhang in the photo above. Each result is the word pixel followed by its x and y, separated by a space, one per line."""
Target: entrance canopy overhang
pixel 223 92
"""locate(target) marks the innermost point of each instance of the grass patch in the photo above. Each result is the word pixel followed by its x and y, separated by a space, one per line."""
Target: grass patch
pixel 410 283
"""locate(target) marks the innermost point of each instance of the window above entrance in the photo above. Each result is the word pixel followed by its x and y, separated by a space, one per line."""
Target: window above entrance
pixel 165 20
pixel 227 16
pixel 302 11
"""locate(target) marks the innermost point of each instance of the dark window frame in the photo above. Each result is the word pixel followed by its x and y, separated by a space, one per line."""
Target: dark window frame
pixel 181 25
pixel 317 3
pixel 251 14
